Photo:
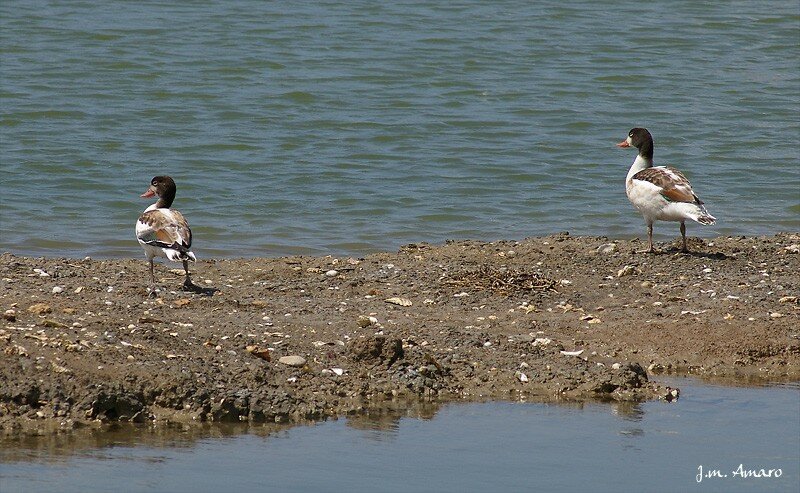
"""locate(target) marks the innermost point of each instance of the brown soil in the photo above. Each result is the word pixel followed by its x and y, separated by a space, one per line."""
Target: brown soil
pixel 82 342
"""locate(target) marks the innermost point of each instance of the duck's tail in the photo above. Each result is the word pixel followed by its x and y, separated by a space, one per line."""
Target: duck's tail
pixel 702 216
pixel 178 254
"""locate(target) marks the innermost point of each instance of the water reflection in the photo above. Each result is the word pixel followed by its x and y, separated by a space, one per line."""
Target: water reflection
pixel 384 423
pixel 423 446
pixel 48 443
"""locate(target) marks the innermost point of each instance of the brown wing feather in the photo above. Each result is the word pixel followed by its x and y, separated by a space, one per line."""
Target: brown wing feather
pixel 167 231
pixel 674 185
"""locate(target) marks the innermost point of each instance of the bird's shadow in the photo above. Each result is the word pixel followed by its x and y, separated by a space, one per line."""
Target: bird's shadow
pixel 707 255
pixel 191 287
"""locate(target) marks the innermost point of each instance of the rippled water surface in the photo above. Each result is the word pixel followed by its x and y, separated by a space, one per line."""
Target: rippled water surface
pixel 653 446
pixel 349 127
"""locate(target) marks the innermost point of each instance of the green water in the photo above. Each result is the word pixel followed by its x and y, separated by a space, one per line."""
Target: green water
pixel 350 127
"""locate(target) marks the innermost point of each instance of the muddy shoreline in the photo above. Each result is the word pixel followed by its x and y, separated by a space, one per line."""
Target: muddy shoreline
pixel 293 339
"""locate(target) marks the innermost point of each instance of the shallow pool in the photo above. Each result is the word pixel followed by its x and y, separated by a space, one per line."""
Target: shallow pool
pixel 496 446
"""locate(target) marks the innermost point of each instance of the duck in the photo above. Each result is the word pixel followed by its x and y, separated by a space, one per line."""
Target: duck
pixel 660 193
pixel 164 232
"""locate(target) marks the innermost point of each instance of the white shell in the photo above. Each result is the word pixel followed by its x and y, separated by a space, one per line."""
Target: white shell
pixel 293 360
pixel 399 301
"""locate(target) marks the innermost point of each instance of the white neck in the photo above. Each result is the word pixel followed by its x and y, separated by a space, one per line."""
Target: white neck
pixel 152 207
pixel 638 165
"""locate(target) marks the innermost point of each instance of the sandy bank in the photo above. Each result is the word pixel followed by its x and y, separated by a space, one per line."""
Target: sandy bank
pixel 557 316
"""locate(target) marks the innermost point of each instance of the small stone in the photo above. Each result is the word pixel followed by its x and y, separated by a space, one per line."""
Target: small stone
pixel 78 290
pixel 259 352
pixel 672 394
pixel 521 377
pixel 646 284
pixel 776 315
pixel 626 271
pixel 293 360
pixel 10 315
pixel 332 273
pixel 788 299
pixel 58 289
pixel 707 270
pixel 616 366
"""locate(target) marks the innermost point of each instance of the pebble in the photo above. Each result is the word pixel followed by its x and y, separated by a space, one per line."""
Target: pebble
pixel 332 273
pixel 365 321
pixel 10 315
pixel 292 360
pixel 616 366
pixel 522 377
pixel 626 271
pixel 58 289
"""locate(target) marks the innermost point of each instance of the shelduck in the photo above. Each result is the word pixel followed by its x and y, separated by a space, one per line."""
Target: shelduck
pixel 660 193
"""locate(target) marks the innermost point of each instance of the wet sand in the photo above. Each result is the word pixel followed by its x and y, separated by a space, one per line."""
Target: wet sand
pixel 557 317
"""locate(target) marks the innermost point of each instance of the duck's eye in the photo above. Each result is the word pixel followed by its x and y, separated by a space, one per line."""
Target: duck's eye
pixel 630 134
